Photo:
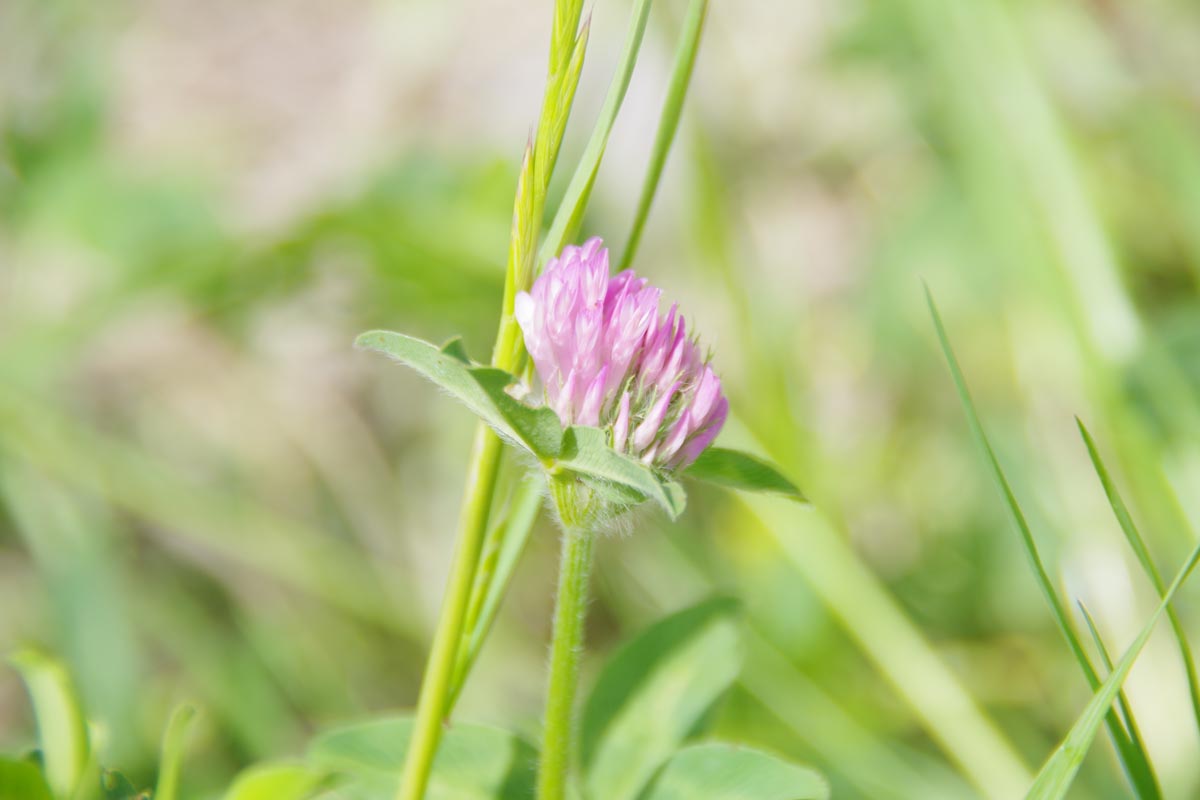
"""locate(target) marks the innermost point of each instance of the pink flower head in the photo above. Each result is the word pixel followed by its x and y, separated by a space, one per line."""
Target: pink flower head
pixel 606 358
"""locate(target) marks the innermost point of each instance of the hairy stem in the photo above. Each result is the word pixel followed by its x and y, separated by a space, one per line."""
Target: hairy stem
pixel 566 649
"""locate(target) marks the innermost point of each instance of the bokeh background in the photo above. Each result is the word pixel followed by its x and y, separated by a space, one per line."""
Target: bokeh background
pixel 206 494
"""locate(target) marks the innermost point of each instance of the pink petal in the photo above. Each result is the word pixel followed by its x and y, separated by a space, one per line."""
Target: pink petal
pixel 648 430
pixel 621 426
pixel 589 411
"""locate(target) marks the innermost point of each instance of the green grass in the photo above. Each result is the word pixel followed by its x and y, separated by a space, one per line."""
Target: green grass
pixel 206 493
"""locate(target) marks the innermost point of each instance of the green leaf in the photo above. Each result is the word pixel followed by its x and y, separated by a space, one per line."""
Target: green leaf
pixel 1138 545
pixel 473 762
pixel 586 452
pixel 115 786
pixel 1134 761
pixel 538 427
pixel 652 695
pixel 275 781
pixel 171 759
pixel 1056 776
pixel 62 729
pixel 481 389
pixel 22 780
pixel 455 348
pixel 718 771
pixel 570 211
pixel 743 471
pixel 583 451
pixel 668 121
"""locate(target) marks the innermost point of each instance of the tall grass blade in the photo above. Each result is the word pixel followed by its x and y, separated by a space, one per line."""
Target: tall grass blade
pixel 62 728
pixel 556 109
pixel 566 23
pixel 818 550
pixel 1138 545
pixel 1131 725
pixel 501 553
pixel 668 123
pixel 235 529
pixel 1137 767
pixel 1056 776
pixel 171 761
pixel 570 211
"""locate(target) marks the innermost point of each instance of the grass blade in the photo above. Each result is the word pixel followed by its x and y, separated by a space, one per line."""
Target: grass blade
pixel 570 211
pixel 668 121
pixel 566 25
pixel 1138 545
pixel 1131 725
pixel 171 760
pixel 556 109
pixel 1058 773
pixel 1136 765
pixel 231 528
pixel 62 728
pixel 499 561
pixel 817 549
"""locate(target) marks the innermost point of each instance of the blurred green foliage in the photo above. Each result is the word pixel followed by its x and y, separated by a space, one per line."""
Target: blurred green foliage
pixel 205 494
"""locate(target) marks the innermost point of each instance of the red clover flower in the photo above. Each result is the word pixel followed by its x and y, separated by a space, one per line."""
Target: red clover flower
pixel 607 359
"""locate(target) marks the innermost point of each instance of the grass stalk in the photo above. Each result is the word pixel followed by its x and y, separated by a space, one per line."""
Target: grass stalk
pixel 433 702
pixel 439 687
pixel 1134 759
pixel 668 121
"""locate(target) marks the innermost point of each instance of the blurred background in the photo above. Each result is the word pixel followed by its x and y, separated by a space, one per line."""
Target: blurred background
pixel 206 494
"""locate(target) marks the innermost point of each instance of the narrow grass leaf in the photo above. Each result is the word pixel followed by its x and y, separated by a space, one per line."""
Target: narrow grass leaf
pixel 231 529
pixel 171 759
pixel 651 695
pixel 1138 545
pixel 566 21
pixel 668 122
pixel 719 771
pixel 509 348
pixel 501 554
pixel 1056 776
pixel 570 212
pixel 556 107
pixel 62 728
pixel 1135 733
pixel 738 470
pixel 1137 767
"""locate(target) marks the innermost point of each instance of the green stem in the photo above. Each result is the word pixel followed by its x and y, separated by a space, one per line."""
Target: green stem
pixel 438 687
pixel 566 648
pixel 435 686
